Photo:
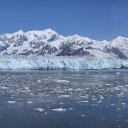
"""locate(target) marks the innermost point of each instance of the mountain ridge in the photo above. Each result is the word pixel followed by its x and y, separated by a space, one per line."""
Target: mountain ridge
pixel 49 43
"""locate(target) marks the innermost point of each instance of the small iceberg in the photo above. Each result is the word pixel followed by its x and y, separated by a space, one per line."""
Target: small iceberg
pixel 59 109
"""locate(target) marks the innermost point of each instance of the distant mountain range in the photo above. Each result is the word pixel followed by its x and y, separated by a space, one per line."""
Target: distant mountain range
pixel 50 43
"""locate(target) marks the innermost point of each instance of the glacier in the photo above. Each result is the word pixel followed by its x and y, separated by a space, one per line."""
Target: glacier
pixel 58 63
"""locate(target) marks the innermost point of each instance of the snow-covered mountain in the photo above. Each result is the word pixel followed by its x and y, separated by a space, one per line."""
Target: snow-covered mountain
pixel 55 49
pixel 50 43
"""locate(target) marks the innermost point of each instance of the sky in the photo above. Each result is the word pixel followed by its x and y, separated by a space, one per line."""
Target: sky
pixel 96 19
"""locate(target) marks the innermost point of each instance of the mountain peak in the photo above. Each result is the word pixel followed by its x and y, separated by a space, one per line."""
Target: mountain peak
pixel 119 39
pixel 49 30
pixel 20 32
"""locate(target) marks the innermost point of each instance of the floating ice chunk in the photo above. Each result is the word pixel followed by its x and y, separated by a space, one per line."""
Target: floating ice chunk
pixel 11 102
pixel 101 97
pixel 107 84
pixel 38 81
pixel 86 101
pixel 118 109
pixel 117 73
pixel 70 89
pixel 117 88
pixel 39 109
pixel 70 109
pixel 64 96
pixel 100 101
pixel 79 89
pixel 29 102
pixel 82 115
pixel 59 109
pixel 121 94
pixel 86 96
pixel 95 105
pixel 3 87
pixel 61 103
pixel 123 104
pixel 45 113
pixel 27 89
pixel 62 81
pixel 94 98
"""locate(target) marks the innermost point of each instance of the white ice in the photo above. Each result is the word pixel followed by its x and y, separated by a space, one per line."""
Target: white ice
pixel 59 109
pixel 68 63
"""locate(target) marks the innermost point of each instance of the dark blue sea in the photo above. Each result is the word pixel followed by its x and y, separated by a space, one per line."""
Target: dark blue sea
pixel 64 99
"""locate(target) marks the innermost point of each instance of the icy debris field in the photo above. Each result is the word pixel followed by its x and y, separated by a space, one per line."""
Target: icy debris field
pixel 64 99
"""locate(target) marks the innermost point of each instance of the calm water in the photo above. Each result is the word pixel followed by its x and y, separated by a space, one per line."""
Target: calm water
pixel 64 99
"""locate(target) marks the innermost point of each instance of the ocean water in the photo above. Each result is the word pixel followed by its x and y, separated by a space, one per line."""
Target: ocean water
pixel 64 99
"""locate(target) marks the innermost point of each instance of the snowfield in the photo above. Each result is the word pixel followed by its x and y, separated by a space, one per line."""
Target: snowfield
pixel 58 63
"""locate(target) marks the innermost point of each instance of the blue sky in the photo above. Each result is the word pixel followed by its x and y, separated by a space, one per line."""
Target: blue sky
pixel 97 19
